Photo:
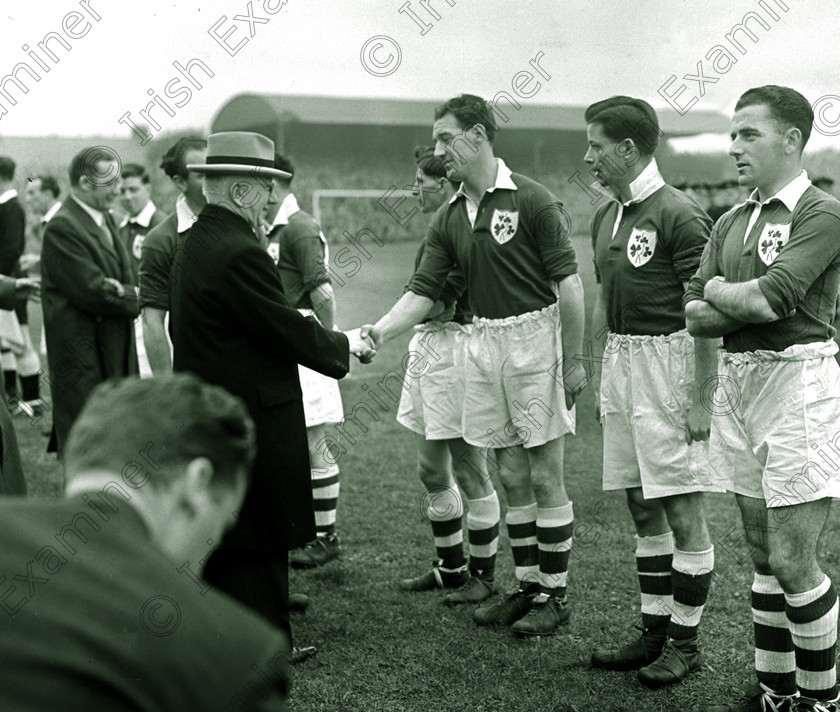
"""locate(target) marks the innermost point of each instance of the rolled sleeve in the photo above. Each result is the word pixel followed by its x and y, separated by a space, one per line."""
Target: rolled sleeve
pixel 551 228
pixel 709 267
pixel 688 243
pixel 435 265
pixel 308 254
pixel 154 278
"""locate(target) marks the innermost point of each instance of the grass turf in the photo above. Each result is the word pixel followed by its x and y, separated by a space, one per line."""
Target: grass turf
pixel 381 649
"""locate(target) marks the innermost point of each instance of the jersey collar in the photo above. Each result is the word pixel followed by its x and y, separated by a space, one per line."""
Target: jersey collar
pixel 646 184
pixel 184 215
pixel 7 196
pixel 52 211
pixel 143 218
pixel 789 195
pixel 288 207
pixel 503 180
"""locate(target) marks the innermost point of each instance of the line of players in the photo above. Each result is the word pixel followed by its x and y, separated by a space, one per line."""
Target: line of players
pixel 684 310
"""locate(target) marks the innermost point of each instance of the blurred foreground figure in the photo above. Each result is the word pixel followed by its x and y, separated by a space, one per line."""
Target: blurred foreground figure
pixel 103 607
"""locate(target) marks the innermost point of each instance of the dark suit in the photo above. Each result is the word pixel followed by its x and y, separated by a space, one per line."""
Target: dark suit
pixel 95 618
pixel 11 470
pixel 231 324
pixel 89 330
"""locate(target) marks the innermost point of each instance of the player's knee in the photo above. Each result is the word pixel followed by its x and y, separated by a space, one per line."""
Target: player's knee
pixel 647 514
pixel 475 485
pixel 790 569
pixel 432 477
pixel 546 489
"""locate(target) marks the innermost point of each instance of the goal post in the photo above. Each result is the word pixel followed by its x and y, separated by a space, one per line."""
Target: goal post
pixel 326 193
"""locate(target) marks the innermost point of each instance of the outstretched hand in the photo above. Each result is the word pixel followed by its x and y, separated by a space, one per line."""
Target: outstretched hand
pixel 28 288
pixel 361 345
pixel 369 331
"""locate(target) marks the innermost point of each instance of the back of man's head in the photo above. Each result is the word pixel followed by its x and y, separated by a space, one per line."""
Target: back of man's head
pixel 160 424
pixel 49 183
pixel 7 168
pixel 174 161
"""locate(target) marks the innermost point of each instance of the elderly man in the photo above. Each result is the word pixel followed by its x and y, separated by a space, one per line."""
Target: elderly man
pixel 89 295
pixel 115 614
pixel 767 284
pixel 232 324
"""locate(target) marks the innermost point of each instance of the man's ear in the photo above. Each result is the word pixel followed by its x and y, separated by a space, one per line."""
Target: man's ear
pixel 793 140
pixel 196 485
pixel 244 193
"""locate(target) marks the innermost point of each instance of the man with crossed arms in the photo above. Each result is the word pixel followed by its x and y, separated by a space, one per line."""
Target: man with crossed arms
pixel 767 284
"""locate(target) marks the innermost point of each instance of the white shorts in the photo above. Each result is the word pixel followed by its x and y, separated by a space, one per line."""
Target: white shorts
pixel 514 384
pixel 646 391
pixel 321 395
pixel 432 403
pixel 776 430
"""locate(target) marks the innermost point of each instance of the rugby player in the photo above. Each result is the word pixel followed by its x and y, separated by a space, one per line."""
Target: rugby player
pixel 767 284
pixel 509 237
pixel 430 406
pixel 298 246
pixel 647 239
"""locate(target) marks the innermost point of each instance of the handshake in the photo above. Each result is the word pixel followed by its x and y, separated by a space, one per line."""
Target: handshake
pixel 364 342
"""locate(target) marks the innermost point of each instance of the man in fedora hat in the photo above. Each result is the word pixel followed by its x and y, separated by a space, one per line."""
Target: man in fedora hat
pixel 232 324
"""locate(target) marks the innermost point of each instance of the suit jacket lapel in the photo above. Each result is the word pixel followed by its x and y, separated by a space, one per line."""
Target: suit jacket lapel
pixel 94 233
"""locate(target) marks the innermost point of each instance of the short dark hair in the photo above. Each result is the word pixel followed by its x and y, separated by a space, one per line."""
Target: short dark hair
pixel 173 163
pixel 622 117
pixel 49 183
pixel 176 418
pixel 430 164
pixel 284 163
pixel 135 170
pixel 7 168
pixel 84 164
pixel 469 110
pixel 787 106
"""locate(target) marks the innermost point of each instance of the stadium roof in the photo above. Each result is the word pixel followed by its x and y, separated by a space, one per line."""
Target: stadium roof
pixel 245 110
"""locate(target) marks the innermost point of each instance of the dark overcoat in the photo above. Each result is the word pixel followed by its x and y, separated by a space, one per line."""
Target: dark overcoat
pixel 232 325
pixel 89 329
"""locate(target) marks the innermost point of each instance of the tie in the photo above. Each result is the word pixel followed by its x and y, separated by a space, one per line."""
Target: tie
pixel 109 230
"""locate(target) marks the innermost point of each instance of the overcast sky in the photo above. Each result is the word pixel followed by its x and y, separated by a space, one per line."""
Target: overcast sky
pixel 316 47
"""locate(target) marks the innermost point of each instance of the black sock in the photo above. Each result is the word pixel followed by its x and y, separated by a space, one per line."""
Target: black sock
pixel 10 381
pixel 29 388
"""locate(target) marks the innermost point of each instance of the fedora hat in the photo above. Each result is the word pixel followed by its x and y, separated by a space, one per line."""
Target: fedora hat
pixel 239 152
